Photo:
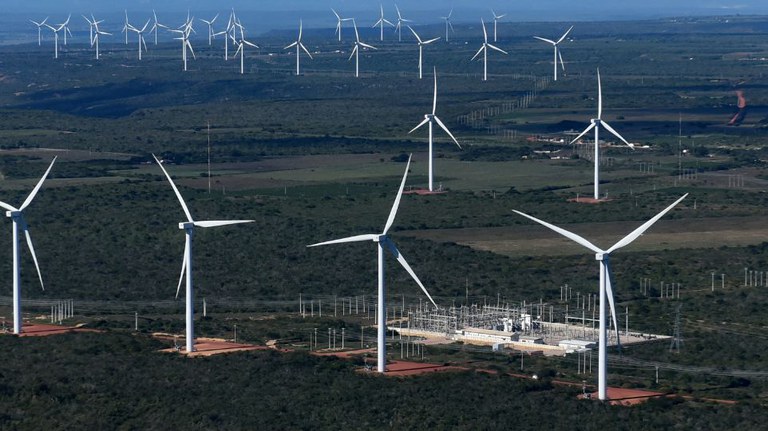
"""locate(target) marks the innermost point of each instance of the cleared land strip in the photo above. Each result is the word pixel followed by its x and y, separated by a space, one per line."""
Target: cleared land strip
pixel 531 240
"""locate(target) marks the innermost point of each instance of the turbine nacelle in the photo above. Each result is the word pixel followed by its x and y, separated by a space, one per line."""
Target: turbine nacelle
pixel 16 214
pixel 187 225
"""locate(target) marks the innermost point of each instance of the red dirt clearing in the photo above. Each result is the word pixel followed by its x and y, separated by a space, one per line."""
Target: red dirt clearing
pixel 209 347
pixel 343 354
pixel 423 192
pixel 587 200
pixel 43 330
pixel 404 368
pixel 625 397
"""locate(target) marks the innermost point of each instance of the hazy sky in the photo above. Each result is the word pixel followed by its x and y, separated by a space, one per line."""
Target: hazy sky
pixel 422 11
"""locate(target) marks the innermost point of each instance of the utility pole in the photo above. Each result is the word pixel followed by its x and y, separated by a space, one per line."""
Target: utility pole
pixel 677 338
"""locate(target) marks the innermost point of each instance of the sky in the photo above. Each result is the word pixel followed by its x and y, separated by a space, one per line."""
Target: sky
pixel 284 13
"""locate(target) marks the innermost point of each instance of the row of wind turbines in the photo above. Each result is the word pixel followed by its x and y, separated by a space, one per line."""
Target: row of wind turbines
pixel 234 35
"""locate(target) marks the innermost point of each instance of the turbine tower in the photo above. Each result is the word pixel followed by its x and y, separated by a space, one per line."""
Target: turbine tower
pixel 595 123
pixel 186 266
pixel 558 56
pixel 17 216
pixel 606 291
pixel 381 23
pixel 299 46
pixel 356 50
pixel 484 50
pixel 430 119
pixel 421 46
pixel 384 241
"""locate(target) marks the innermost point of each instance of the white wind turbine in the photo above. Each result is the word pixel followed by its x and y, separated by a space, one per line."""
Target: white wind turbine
pixel 399 26
pixel 606 290
pixel 16 215
pixel 65 28
pixel 484 50
pixel 140 33
pixel 184 38
pixel 384 241
pixel 55 31
pixel 228 33
pixel 211 34
pixel 299 46
pixel 448 24
pixel 558 56
pixel 91 24
pixel 430 119
pixel 381 23
pixel 241 50
pixel 39 29
pixel 95 32
pixel 496 19
pixel 156 26
pixel 595 123
pixel 356 50
pixel 126 27
pixel 186 266
pixel 339 20
pixel 421 46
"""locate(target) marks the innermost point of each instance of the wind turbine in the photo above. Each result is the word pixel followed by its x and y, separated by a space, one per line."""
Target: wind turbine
pixel 430 119
pixel 448 24
pixel 55 31
pixel 39 29
pixel 184 38
pixel 421 46
pixel 126 27
pixel 186 266
pixel 595 123
pixel 156 26
pixel 210 28
pixel 299 46
pixel 140 33
pixel 496 18
pixel 399 26
pixel 339 20
pixel 16 215
pixel 95 33
pixel 65 26
pixel 606 291
pixel 558 56
pixel 484 50
pixel 356 49
pixel 384 241
pixel 381 23
pixel 241 51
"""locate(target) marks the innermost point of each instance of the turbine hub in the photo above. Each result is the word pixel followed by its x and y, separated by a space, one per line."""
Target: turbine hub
pixel 186 225
pixel 600 256
pixel 13 214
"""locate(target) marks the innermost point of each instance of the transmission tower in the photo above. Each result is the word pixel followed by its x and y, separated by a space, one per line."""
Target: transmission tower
pixel 677 338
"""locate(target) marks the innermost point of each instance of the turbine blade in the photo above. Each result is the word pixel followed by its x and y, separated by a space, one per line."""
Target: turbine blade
pixel 609 294
pixel 599 97
pixel 8 207
pixel 356 238
pixel 440 123
pixel 291 45
pixel 393 211
pixel 564 35
pixel 215 223
pixel 570 235
pixel 615 133
pixel 434 94
pixel 183 268
pixel 425 121
pixel 37 187
pixel 354 50
pixel 477 53
pixel 408 268
pixel 545 40
pixel 590 127
pixel 485 33
pixel 306 50
pixel 365 45
pixel 497 49
pixel 560 56
pixel 175 190
pixel 34 255
pixel 430 41
pixel 414 34
pixel 640 230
